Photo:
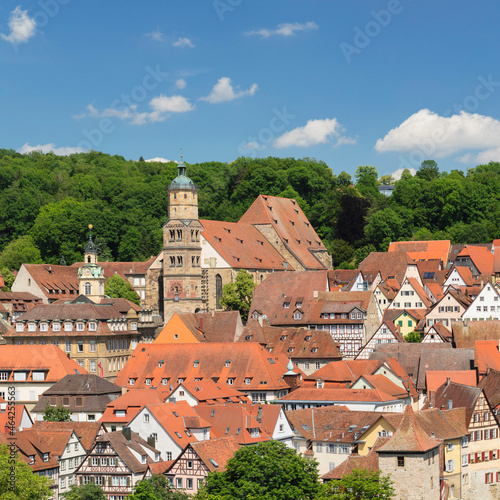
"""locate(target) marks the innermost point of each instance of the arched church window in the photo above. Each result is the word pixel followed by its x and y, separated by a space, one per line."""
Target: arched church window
pixel 88 288
pixel 218 290
pixel 179 234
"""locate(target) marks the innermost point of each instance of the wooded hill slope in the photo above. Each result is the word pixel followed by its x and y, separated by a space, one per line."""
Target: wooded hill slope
pixel 48 201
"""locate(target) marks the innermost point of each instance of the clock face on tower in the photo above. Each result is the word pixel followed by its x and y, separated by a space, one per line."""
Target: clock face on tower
pixel 87 272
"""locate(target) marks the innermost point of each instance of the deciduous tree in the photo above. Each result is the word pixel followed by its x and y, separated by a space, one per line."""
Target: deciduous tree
pixel 117 287
pixel 361 484
pixel 56 414
pixel 237 296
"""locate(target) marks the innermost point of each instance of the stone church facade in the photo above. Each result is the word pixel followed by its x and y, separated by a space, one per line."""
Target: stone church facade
pixel 200 256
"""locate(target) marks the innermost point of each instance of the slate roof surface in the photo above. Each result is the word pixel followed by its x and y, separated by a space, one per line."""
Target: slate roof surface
pixel 83 384
pixel 61 280
pixel 292 226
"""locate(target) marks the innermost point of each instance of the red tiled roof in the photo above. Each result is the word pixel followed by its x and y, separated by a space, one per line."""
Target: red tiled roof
pixel 49 358
pixel 423 250
pixel 436 378
pixel 409 437
pixel 242 245
pixel 487 355
pixel 124 269
pixel 87 432
pixel 483 259
pixel 174 361
pixel 291 225
pixel 232 420
pixel 340 395
pixel 390 264
pixel 465 334
pixel 218 450
pixel 345 370
pixel 208 389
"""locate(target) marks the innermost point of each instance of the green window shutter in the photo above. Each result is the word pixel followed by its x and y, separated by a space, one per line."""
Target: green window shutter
pixel 128 481
pixel 109 481
pixel 400 323
pixel 90 462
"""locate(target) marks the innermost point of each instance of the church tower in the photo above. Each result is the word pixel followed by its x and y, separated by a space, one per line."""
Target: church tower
pixel 91 274
pixel 182 274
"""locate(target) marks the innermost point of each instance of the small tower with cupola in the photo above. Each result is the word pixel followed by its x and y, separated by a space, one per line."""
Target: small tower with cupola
pixel 182 274
pixel 91 274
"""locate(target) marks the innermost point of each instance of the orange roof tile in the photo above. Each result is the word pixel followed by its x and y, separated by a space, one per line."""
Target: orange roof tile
pixel 389 264
pixel 242 245
pixel 483 259
pixel 436 378
pixel 409 437
pixel 218 450
pixel 337 395
pixel 423 250
pixel 487 355
pixel 48 358
pixel 292 226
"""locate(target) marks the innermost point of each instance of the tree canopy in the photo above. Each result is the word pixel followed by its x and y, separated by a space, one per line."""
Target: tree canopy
pixel 264 471
pixel 237 296
pixel 48 201
pixel 88 491
pixel 117 287
pixel 156 487
pixel 361 484
pixel 56 414
pixel 27 484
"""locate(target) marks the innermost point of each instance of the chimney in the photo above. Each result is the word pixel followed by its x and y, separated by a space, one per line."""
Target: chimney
pixel 432 399
pixel 448 380
pixel 124 390
pixel 213 313
pixel 127 433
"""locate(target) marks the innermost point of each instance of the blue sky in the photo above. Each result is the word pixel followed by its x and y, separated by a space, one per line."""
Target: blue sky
pixel 383 83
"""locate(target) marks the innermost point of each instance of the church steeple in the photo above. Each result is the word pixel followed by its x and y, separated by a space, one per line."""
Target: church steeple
pixel 182 196
pixel 91 274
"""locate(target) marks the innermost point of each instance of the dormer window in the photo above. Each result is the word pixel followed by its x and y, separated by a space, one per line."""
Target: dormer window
pixel 286 305
pixel 92 326
pixel 31 327
pixel 68 327
pixel 297 315
pixel 314 349
pixel 148 381
pixel 80 327
pixel 44 327
pixel 227 363
pixel 164 381
pixel 19 327
pixel 247 381
pixel 46 457
pixel 131 381
pixel 230 381
pixel 298 304
pixel 196 364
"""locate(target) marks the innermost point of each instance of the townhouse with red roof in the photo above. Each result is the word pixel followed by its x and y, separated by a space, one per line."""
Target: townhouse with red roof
pixel 448 309
pixel 247 367
pixel 485 306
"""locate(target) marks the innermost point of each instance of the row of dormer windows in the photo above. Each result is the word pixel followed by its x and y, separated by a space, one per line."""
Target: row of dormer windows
pixel 56 326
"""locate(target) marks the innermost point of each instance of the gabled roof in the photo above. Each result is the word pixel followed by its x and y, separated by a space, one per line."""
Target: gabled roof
pixel 216 326
pixel 491 387
pixel 123 269
pixel 443 424
pixel 242 246
pixel 216 451
pixel 87 432
pixel 423 250
pixel 292 226
pixel 347 370
pixel 465 273
pixel 232 420
pixel 419 291
pixel 409 437
pixel 270 295
pixel 54 281
pixel 487 356
pixel 460 395
pixel 174 418
pixel 337 395
pixel 48 358
pixel 131 402
pixel 331 423
pixel 442 331
pixel 207 392
pixel 353 462
pixel 211 360
pixel 87 384
pixel 481 257
pixel 390 264
pixel 125 448
pixel 267 415
pixel 434 379
pixel 383 384
pixel 297 343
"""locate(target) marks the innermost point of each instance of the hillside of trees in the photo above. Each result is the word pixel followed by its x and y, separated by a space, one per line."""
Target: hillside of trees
pixel 48 201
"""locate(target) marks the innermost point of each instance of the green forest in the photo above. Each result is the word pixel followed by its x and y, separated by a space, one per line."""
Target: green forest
pixel 47 203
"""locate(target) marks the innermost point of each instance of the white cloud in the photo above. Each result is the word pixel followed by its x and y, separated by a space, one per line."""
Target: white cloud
pixel 440 136
pixel 253 145
pixel 481 158
pixel 180 83
pixel 47 148
pixel 314 132
pixel 396 175
pixel 156 35
pixel 22 27
pixel 160 105
pixel 284 29
pixel 183 42
pixel 224 91
pixel 161 160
